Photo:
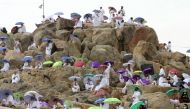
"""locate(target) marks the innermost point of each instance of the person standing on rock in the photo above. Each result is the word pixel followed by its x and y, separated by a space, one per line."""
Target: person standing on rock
pixel 49 47
pixel 22 28
pixel 122 11
pixel 96 19
pixel 169 46
pixel 17 46
pixel 102 12
pixel 6 66
pixel 78 23
pixel 75 87
pixel 162 72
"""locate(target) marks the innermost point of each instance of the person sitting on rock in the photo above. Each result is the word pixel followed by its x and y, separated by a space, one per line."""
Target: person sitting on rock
pixel 17 46
pixel 9 100
pixel 136 95
pixel 32 46
pixel 184 98
pixel 49 48
pixel 78 23
pixel 22 28
pixel 89 85
pixel 75 87
pixel 15 77
pixel 27 66
pixel 162 72
pixel 6 66
pixel 163 82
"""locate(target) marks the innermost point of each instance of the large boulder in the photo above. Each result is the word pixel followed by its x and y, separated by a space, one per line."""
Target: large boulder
pixel 178 65
pixel 63 34
pixel 62 23
pixel 24 38
pixel 140 33
pixel 104 52
pixel 100 34
pixel 179 57
pixel 79 33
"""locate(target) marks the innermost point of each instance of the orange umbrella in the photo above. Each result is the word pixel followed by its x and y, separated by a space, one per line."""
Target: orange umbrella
pixel 79 63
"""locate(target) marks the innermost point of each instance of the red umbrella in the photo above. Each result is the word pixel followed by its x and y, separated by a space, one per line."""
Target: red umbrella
pixel 173 71
pixel 79 63
pixel 100 93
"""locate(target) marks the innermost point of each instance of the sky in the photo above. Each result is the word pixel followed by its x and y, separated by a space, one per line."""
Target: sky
pixel 169 18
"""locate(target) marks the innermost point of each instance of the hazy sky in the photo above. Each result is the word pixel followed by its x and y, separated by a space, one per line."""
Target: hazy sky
pixel 169 18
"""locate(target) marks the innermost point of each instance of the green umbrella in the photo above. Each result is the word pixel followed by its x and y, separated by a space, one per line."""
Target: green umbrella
pixel 58 64
pixel 136 105
pixel 137 72
pixel 68 103
pixel 171 92
pixel 95 107
pixel 89 75
pixel 185 90
pixel 17 95
pixel 112 100
pixel 48 63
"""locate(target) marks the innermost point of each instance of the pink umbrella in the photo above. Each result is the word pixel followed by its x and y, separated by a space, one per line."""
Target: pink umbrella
pixel 100 93
pixel 118 18
pixel 79 63
pixel 173 71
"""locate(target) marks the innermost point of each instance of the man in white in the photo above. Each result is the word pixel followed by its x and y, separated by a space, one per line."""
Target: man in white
pixel 9 99
pixel 169 46
pixel 22 29
pixel 49 48
pixel 38 65
pixel 15 78
pixel 26 66
pixel 130 21
pixel 17 46
pixel 75 87
pixel 163 82
pixel 102 12
pixel 162 72
pixel 89 85
pixel 122 11
pixel 32 46
pixel 96 19
pixel 136 95
pixel 6 66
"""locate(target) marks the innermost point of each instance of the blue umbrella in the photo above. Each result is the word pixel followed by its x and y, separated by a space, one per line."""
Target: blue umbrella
pixel 3 48
pixel 96 11
pixel 58 13
pixel 38 57
pixel 121 70
pixel 3 38
pixel 75 15
pixel 19 23
pixel 100 100
pixel 188 51
pixel 95 64
pixel 67 59
pixel 45 39
pixel 27 59
pixel 4 93
pixel 139 19
pixel 5 60
pixel 106 63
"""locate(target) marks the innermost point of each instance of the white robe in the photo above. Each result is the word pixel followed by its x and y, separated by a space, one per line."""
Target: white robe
pixel 103 83
pixel 102 12
pixel 162 72
pixel 39 66
pixel 26 66
pixel 130 21
pixel 96 20
pixel 49 48
pixel 162 82
pixel 22 29
pixel 136 96
pixel 75 87
pixel 15 78
pixel 78 24
pixel 6 67
pixel 16 47
pixel 34 105
pixel 175 78
pixel 89 86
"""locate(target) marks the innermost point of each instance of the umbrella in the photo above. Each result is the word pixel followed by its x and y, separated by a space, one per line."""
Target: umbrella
pixel 171 92
pixel 121 70
pixel 58 64
pixel 18 95
pixel 185 90
pixel 4 93
pixel 67 59
pixel 138 72
pixel 45 39
pixel 106 62
pixel 112 8
pixel 48 63
pixel 33 93
pixel 95 64
pixel 96 11
pixel 148 71
pixel 188 51
pixel 19 23
pixel 88 15
pixel 137 105
pixel 112 100
pixel 27 59
pixel 95 107
pixel 3 38
pixel 6 60
pixel 73 78
pixel 3 48
pixel 173 71
pixel 68 103
pixel 38 57
pixel 75 16
pixel 139 20
pixel 145 82
pixel 100 92
pixel 136 77
pixel 89 75
pixel 58 13
pixel 105 17
pixel 100 100
pixel 126 78
pixel 79 63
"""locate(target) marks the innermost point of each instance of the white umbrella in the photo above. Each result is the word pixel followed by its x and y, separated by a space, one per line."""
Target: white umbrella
pixel 72 78
pixel 31 93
